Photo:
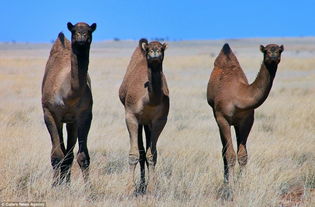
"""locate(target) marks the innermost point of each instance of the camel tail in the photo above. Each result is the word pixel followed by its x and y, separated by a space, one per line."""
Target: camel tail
pixel 226 58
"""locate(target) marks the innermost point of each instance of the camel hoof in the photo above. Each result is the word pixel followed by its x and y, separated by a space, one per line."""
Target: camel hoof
pixel 141 189
pixel 225 192
pixel 242 160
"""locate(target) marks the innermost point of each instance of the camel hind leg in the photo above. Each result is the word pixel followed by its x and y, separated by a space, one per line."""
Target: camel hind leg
pixel 72 131
pixel 142 159
pixel 147 131
pixel 83 157
pixel 151 154
pixel 242 131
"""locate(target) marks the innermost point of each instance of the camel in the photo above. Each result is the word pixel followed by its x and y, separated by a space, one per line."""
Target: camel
pixel 144 94
pixel 234 100
pixel 67 98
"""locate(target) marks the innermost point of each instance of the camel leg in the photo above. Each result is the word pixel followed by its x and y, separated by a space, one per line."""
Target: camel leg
pixel 83 157
pixel 133 129
pixel 72 131
pixel 142 158
pixel 62 145
pixel 242 131
pixel 228 152
pixel 147 131
pixel 57 151
pixel 151 154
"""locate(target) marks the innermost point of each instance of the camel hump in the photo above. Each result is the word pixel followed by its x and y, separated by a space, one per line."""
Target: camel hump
pixel 61 38
pixel 60 44
pixel 226 58
pixel 226 49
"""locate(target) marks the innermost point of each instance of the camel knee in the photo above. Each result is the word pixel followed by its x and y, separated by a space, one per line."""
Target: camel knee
pixel 83 160
pixel 151 159
pixel 133 159
pixel 242 156
pixel 56 162
pixel 231 161
pixel 242 159
pixel 230 158
pixel 56 159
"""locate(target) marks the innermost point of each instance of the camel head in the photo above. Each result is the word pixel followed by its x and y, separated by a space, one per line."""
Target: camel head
pixel 272 53
pixel 81 34
pixel 153 51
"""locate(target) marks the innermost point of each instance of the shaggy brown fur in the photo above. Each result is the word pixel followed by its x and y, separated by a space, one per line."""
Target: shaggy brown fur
pixel 144 94
pixel 67 98
pixel 233 100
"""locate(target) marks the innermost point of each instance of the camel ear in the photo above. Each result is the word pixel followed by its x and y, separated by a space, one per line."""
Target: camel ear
pixel 70 26
pixel 262 49
pixel 93 27
pixel 164 46
pixel 281 48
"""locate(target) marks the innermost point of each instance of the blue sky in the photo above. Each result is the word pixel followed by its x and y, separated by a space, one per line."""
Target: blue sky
pixel 41 21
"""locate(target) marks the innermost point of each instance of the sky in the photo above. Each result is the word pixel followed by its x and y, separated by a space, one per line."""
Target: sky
pixel 41 21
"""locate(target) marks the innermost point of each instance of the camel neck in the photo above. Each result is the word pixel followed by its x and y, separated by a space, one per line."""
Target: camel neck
pixel 260 88
pixel 155 83
pixel 79 68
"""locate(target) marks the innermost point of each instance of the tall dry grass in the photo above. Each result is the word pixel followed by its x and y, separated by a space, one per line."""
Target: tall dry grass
pixel 281 145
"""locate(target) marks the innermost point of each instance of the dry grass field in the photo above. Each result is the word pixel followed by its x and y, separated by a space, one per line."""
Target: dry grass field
pixel 281 145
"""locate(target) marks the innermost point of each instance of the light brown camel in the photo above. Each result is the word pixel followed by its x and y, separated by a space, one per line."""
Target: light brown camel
pixel 67 98
pixel 233 100
pixel 145 96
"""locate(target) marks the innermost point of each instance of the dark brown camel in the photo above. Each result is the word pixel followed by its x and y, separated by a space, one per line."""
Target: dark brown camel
pixel 67 98
pixel 233 100
pixel 145 96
